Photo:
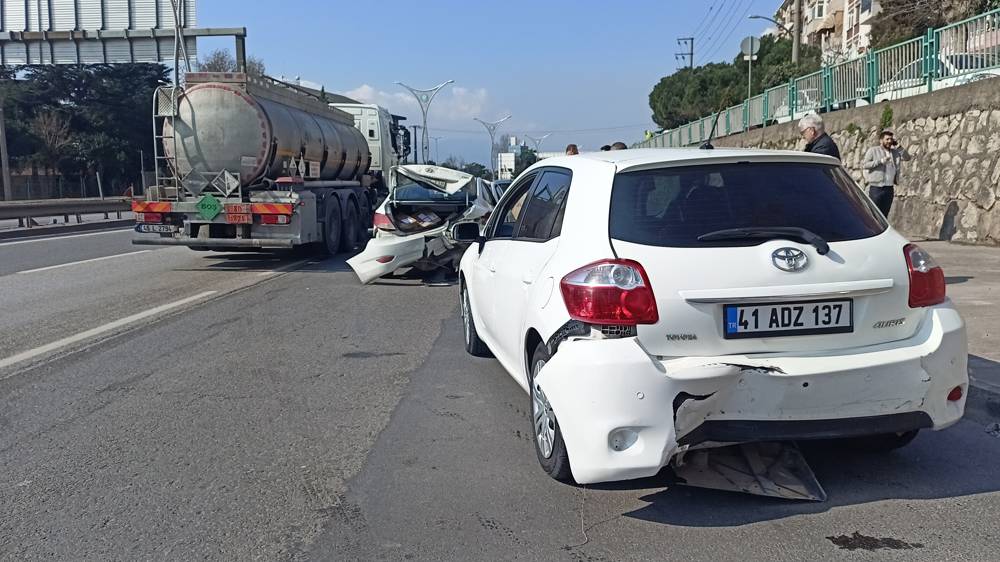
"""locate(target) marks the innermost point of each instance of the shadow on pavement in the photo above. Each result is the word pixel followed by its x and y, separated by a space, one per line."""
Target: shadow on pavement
pixel 953 463
pixel 957 279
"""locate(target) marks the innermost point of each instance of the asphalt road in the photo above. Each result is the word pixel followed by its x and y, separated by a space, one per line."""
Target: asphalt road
pixel 294 414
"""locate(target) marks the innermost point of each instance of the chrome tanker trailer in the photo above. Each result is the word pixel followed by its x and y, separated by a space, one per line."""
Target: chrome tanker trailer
pixel 250 163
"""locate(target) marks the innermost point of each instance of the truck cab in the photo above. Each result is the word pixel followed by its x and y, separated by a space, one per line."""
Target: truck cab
pixel 382 131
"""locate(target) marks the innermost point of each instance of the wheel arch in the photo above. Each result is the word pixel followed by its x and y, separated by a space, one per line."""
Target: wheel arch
pixel 531 340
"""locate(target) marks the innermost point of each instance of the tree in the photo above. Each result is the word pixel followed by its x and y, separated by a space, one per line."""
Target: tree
pixel 221 60
pixel 523 160
pixel 901 20
pixel 690 94
pixel 478 170
pixel 53 133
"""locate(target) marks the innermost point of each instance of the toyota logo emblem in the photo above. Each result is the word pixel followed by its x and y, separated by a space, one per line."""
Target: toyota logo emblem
pixel 789 259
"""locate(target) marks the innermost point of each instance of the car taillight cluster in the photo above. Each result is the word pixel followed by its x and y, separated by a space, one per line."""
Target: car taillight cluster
pixel 610 292
pixel 926 277
pixel 382 222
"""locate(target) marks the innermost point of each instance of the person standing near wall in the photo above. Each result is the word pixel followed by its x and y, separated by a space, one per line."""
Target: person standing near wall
pixel 881 165
pixel 817 141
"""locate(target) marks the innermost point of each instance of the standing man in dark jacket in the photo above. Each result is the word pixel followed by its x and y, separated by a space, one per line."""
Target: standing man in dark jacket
pixel 812 130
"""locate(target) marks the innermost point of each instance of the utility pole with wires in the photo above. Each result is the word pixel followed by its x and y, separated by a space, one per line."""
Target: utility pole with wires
pixel 796 30
pixel 686 55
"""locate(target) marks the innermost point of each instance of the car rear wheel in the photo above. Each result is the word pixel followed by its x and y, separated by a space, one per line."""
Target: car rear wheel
pixel 549 446
pixel 473 344
pixel 884 442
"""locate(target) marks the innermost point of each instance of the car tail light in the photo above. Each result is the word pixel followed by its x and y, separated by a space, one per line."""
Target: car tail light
pixel 149 218
pixel 382 222
pixel 275 219
pixel 955 395
pixel 926 277
pixel 610 292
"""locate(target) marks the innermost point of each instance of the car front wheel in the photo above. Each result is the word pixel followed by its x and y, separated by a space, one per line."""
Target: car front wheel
pixel 473 345
pixel 549 445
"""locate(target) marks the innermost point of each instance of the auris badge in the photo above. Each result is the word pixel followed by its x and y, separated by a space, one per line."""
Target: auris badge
pixel 789 259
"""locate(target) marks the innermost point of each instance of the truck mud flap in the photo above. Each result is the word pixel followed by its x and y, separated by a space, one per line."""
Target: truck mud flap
pixel 763 469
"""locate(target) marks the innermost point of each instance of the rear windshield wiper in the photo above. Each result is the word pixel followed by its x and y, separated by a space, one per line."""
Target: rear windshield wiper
pixel 769 233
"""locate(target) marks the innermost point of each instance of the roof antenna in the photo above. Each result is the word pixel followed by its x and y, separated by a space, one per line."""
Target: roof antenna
pixel 707 145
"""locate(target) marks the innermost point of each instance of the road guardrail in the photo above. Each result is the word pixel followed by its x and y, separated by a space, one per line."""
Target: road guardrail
pixel 56 207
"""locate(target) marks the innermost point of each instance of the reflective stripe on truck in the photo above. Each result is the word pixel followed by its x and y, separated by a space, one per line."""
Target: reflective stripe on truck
pixel 151 207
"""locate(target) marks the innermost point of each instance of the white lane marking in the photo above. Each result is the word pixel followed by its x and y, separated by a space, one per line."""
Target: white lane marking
pixel 56 237
pixel 50 267
pixel 93 332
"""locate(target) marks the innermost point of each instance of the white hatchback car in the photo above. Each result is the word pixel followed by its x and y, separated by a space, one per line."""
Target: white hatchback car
pixel 659 300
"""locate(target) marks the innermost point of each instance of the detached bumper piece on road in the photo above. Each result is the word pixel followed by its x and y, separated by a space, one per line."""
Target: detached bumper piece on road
pixel 625 414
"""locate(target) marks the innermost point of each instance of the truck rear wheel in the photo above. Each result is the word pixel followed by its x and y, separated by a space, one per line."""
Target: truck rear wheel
pixel 332 226
pixel 349 229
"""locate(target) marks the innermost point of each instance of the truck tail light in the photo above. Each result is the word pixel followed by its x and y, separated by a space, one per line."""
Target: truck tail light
pixel 382 222
pixel 926 277
pixel 275 219
pixel 149 218
pixel 610 292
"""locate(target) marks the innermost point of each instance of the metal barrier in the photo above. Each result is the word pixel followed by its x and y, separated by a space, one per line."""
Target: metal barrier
pixel 958 53
pixel 900 67
pixel 808 93
pixel 755 111
pixel 65 207
pixel 779 107
pixel 849 82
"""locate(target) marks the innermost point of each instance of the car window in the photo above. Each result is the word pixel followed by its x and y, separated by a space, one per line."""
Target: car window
pixel 674 206
pixel 508 215
pixel 544 205
pixel 416 192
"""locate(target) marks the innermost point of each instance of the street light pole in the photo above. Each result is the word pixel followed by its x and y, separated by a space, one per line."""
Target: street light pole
pixel 424 98
pixel 437 150
pixel 795 33
pixel 491 128
pixel 8 188
pixel 538 141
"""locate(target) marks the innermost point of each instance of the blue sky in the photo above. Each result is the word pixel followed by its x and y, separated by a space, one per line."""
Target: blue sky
pixel 569 66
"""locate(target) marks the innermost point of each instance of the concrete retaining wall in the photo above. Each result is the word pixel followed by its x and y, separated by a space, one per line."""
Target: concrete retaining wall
pixel 950 189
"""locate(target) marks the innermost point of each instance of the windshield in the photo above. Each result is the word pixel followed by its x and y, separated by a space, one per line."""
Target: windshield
pixel 674 206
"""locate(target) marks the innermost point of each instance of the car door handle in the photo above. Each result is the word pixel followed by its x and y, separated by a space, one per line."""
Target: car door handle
pixel 528 278
pixel 492 267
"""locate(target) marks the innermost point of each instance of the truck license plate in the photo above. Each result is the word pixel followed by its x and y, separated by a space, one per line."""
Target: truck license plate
pixel 788 319
pixel 238 208
pixel 239 218
pixel 157 228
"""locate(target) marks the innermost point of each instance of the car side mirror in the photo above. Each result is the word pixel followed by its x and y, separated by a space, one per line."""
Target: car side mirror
pixel 467 232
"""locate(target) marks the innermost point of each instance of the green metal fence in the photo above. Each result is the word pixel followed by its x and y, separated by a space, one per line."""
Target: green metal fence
pixel 958 53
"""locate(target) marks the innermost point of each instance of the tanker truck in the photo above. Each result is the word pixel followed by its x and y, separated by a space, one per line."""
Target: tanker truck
pixel 252 163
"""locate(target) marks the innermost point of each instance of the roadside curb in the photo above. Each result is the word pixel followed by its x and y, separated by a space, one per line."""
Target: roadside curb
pixel 63 229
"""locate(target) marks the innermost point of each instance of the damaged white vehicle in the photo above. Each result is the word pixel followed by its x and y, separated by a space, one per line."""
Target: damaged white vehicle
pixel 703 310
pixel 412 224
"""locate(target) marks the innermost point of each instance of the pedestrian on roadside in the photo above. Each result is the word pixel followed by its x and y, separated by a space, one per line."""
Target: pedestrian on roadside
pixel 881 165
pixel 817 141
pixel 619 146
pixel 572 149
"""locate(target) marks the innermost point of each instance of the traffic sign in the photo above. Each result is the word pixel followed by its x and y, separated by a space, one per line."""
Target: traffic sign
pixel 750 45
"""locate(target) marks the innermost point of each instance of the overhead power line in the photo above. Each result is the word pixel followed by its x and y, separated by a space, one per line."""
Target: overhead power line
pixel 704 19
pixel 733 24
pixel 711 31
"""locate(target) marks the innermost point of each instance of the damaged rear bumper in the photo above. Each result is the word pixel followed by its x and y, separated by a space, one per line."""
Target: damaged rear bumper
pixel 624 414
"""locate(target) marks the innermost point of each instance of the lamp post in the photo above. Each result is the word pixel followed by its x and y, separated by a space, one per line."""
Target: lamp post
pixel 424 98
pixel 795 36
pixel 491 128
pixel 538 141
pixel 437 150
